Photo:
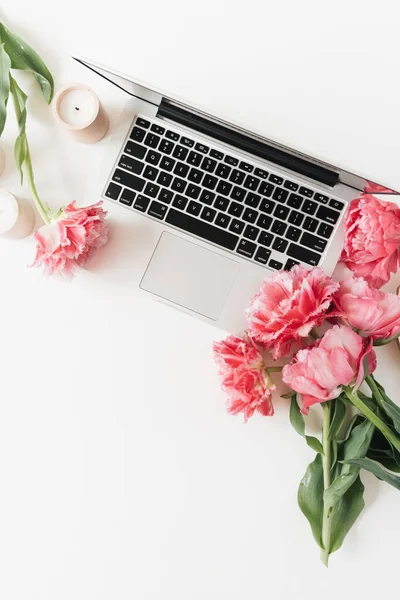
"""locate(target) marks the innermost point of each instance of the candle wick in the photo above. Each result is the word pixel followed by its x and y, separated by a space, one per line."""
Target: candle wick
pixel 76 108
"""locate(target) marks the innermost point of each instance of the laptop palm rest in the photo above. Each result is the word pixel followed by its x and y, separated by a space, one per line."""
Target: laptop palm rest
pixel 190 276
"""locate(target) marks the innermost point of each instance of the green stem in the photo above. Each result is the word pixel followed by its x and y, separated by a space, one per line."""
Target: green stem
pixel 274 369
pixel 375 390
pixel 326 466
pixel 371 416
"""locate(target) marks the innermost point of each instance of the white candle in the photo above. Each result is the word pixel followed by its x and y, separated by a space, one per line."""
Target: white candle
pixel 17 218
pixel 80 112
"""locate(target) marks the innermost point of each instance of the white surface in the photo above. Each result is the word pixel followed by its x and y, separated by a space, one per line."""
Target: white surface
pixel 121 475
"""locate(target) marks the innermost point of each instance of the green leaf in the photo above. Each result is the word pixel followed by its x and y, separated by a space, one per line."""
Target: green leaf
pixel 21 146
pixel 310 497
pixel 24 58
pixel 391 409
pixel 345 514
pixel 5 65
pixel 376 469
pixel 296 418
pixel 337 420
pixel 289 395
pixel 314 444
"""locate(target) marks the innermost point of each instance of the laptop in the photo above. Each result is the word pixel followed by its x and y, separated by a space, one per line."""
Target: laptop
pixel 218 208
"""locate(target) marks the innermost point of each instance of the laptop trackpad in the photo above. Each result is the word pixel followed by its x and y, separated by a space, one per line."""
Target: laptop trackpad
pixel 190 275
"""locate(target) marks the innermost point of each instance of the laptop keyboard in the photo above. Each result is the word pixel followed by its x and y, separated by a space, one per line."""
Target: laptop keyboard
pixel 264 217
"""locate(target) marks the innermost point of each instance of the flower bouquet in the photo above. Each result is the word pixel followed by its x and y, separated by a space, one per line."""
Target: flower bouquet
pixel 327 331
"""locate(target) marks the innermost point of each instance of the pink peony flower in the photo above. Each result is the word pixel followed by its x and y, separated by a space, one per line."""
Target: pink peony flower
pixel 66 243
pixel 288 306
pixel 371 248
pixel 372 312
pixel 318 373
pixel 244 377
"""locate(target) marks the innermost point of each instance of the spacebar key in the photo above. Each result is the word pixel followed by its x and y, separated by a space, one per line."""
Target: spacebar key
pixel 203 230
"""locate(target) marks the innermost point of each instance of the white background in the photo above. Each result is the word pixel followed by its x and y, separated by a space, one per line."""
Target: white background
pixel 121 475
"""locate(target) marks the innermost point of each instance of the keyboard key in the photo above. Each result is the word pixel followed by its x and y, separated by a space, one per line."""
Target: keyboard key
pixel 279 227
pixel 222 220
pixel 290 263
pixel 267 206
pixel 280 244
pixel 325 230
pixel 327 214
pixel 261 173
pixel 127 197
pixel 165 196
pixel 246 167
pixel 294 201
pixel 195 175
pixel 153 157
pixel 152 140
pixel 306 192
pixel 253 200
pixel 235 209
pixel 336 204
pixel 321 198
pixel 151 190
pixel 237 176
pixel 141 203
pixel 113 191
pixel 250 215
pixel 179 185
pixel 265 238
pixel 194 208
pixel 313 242
pixel 166 147
pixel 246 248
pixel 137 134
pixel 293 234
pixel 157 210
pixel 251 182
pixel 180 202
pixel 129 180
pixel 201 148
pixel 164 179
pixel 157 129
pixel 135 149
pixel 216 154
pixel 208 164
pixel 180 152
pixel 208 214
pixel 172 135
pixel 296 218
pixel 209 182
pixel 262 255
pixel 223 171
pixel 236 226
pixel 280 194
pixel 281 211
pixel 221 203
pixel 265 189
pixel 181 169
pixel 230 160
pixel 150 173
pixel 143 123
pixel 224 188
pixel 275 264
pixel 289 185
pixel 276 179
pixel 194 158
pixel 167 163
pixel 309 207
pixel 251 232
pixel 238 194
pixel 193 191
pixel 264 221
pixel 310 224
pixel 204 230
pixel 303 254
pixel 187 142
pixel 207 197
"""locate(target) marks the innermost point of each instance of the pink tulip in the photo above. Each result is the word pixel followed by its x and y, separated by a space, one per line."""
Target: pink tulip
pixel 372 312
pixel 318 373
pixel 372 239
pixel 66 243
pixel 288 305
pixel 244 377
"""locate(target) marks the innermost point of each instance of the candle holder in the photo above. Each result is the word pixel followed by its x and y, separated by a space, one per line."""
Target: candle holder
pixel 17 217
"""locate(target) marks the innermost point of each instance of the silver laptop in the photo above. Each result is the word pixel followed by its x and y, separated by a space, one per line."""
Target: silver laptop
pixel 218 208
